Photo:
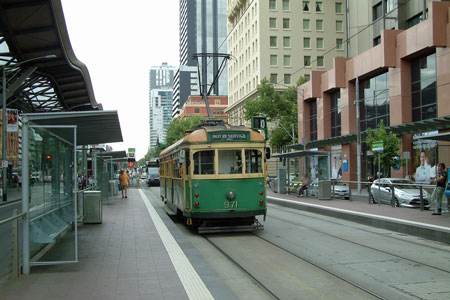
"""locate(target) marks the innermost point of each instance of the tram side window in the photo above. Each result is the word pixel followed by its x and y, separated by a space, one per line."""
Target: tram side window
pixel 204 162
pixel 253 159
pixel 230 162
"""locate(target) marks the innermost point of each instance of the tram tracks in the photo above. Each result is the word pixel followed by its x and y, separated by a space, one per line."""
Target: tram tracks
pixel 431 248
pixel 261 282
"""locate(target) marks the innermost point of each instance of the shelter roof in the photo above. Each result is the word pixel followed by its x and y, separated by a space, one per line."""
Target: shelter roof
pixel 93 127
pixel 36 28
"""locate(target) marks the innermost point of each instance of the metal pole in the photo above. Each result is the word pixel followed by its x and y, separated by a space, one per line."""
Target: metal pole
pixel 358 135
pixel 4 133
pixel 25 199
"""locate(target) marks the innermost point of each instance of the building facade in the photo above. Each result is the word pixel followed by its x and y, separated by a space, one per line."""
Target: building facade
pixel 195 106
pixel 160 114
pixel 203 29
pixel 280 40
pixel 403 81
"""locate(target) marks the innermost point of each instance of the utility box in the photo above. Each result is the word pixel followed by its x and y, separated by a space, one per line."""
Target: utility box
pixel 281 181
pixel 92 207
pixel 324 190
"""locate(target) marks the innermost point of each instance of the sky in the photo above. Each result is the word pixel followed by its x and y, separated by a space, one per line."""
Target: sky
pixel 119 41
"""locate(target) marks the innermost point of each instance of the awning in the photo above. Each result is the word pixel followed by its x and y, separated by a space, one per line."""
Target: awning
pixel 435 137
pixel 93 127
pixel 302 154
pixel 428 125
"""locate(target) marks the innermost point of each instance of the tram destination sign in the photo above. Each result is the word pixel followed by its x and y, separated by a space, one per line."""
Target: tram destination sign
pixel 228 136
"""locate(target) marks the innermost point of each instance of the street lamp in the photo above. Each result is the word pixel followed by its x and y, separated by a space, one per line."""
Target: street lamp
pixel 4 67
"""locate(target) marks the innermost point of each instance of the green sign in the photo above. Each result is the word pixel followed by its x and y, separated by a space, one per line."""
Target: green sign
pixel 377 146
pixel 228 136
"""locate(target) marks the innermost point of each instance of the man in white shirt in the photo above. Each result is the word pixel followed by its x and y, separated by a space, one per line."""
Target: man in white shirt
pixel 423 171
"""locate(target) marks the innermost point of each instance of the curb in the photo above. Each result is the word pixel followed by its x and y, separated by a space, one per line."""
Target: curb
pixel 432 232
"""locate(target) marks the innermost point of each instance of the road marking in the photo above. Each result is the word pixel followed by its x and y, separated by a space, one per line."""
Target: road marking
pixel 193 284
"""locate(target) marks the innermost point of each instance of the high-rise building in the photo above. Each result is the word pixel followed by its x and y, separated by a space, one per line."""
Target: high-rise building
pixel 160 102
pixel 203 29
pixel 161 76
pixel 160 114
pixel 280 41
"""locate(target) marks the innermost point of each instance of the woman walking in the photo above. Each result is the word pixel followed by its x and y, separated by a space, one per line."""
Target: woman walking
pixel 124 181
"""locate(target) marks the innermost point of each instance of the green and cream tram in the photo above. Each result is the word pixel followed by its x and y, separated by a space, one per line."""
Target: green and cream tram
pixel 215 177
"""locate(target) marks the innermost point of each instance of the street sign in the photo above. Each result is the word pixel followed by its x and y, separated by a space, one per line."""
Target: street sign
pixel 377 146
pixel 259 123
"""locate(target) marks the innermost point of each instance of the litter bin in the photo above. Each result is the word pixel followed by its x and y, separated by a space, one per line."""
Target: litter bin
pixel 92 207
pixel 324 191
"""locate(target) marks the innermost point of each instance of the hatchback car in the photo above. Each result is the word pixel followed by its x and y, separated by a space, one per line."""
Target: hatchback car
pixel 341 190
pixel 406 193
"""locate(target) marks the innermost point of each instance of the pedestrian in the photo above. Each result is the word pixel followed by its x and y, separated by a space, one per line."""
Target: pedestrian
pixel 441 181
pixel 123 179
pixel 305 184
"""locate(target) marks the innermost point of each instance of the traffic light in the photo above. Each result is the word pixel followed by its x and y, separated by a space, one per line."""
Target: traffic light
pixel 48 157
pixel 131 164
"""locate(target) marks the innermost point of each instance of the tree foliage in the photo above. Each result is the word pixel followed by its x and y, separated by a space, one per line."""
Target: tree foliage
pixel 391 145
pixel 278 107
pixel 177 128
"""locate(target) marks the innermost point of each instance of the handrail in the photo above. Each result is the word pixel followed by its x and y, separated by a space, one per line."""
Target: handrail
pixel 22 215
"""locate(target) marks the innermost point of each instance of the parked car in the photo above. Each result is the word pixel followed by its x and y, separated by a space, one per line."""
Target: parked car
pixel 341 190
pixel 406 193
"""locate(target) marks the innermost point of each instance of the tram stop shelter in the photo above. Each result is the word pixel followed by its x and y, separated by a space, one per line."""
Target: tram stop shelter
pixel 49 194
pixel 320 172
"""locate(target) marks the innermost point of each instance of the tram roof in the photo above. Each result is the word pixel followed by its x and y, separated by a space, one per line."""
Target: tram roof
pixel 200 136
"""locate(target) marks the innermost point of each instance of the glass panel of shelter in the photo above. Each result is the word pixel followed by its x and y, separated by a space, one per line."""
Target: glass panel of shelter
pixel 52 203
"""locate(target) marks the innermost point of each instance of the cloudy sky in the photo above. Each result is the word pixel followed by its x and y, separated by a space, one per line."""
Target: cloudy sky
pixel 119 41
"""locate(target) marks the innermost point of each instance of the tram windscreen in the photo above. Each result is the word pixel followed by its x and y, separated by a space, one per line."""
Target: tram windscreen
pixel 253 161
pixel 204 162
pixel 230 162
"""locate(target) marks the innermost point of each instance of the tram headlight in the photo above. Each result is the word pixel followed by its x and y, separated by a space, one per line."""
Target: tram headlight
pixel 197 204
pixel 261 202
pixel 231 195
pixel 261 193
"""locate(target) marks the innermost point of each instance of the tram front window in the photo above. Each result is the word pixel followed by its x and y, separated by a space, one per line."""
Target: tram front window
pixel 230 162
pixel 204 162
pixel 253 161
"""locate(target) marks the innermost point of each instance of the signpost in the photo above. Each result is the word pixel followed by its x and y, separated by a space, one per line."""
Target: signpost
pixel 377 146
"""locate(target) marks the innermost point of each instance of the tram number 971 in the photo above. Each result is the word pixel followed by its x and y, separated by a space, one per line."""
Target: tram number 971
pixel 231 204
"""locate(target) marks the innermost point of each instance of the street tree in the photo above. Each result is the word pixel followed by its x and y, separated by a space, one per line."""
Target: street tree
pixel 391 146
pixel 178 127
pixel 278 107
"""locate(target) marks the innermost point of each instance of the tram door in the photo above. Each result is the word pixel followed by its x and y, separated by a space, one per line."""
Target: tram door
pixel 52 184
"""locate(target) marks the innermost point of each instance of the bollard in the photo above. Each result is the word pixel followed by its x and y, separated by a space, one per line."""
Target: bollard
pixel 349 192
pixel 332 183
pixel 370 194
pixel 421 198
pixel 393 196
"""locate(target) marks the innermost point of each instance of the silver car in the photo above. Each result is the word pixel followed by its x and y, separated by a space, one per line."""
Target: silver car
pixel 405 192
pixel 341 190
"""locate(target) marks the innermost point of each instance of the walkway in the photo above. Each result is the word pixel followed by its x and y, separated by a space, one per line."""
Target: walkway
pixel 131 255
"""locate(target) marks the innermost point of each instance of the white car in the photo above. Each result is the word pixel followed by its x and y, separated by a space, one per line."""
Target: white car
pixel 406 193
pixel 341 190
